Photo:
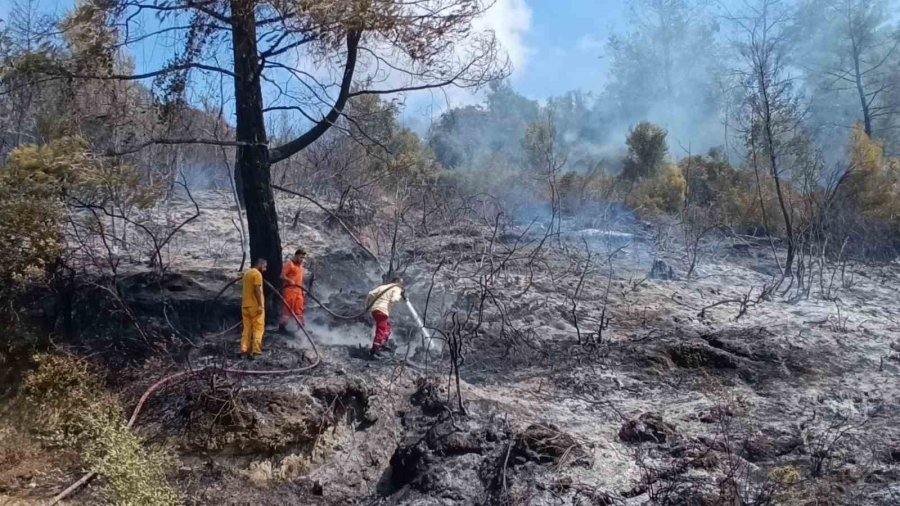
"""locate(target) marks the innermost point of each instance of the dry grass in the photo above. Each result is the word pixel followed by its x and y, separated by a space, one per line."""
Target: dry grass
pixel 26 467
pixel 260 473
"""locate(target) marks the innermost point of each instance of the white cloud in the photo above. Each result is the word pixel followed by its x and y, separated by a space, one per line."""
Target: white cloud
pixel 510 20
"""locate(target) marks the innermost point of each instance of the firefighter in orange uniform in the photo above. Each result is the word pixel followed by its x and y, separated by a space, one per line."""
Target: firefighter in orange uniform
pixel 292 279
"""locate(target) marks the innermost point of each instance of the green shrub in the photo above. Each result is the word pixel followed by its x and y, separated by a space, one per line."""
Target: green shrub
pixel 873 183
pixel 658 195
pixel 72 410
pixel 31 208
pixel 133 474
pixel 36 186
pixel 647 149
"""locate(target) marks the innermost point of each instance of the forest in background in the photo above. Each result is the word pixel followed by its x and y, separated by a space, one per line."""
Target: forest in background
pixel 778 120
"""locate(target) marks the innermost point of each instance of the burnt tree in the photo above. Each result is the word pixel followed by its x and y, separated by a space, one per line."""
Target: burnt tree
pixel 770 104
pixel 307 58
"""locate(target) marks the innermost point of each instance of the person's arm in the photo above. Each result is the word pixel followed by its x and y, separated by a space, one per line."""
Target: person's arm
pixel 258 294
pixel 370 299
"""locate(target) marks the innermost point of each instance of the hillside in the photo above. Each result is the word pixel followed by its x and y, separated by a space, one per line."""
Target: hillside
pixel 693 392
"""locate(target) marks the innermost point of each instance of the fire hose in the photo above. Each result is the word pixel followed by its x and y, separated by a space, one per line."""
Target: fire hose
pixel 184 375
pixel 409 306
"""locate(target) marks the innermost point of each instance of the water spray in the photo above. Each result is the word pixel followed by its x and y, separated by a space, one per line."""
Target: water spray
pixel 425 333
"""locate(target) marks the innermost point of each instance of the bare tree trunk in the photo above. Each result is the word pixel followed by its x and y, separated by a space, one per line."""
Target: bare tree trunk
pixel 861 89
pixel 788 226
pixel 252 163
pixel 773 160
pixel 762 204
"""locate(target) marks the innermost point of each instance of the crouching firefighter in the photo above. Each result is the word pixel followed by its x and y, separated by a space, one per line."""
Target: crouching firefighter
pixel 292 278
pixel 380 300
pixel 253 310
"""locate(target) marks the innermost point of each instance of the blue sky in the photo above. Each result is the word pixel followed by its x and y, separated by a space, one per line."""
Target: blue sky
pixel 555 46
pixel 565 45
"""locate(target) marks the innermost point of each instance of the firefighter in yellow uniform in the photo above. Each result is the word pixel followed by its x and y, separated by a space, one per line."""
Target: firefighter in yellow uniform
pixel 253 310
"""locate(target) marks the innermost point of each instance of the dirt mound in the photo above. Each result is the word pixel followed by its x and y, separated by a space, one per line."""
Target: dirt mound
pixel 226 416
pixel 754 355
pixel 477 458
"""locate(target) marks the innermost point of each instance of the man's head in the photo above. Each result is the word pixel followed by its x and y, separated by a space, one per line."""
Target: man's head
pixel 299 255
pixel 261 264
pixel 397 280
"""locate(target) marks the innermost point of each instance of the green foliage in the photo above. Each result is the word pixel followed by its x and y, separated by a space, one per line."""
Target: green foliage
pixel 658 195
pixel 647 151
pixel 32 186
pixel 540 147
pixel 579 191
pixel 37 184
pixel 67 392
pixel 473 136
pixel 90 37
pixel 708 178
pixel 374 119
pixel 134 475
pixel 787 475
pixel 114 184
pixel 408 157
pixel 72 410
pixel 395 152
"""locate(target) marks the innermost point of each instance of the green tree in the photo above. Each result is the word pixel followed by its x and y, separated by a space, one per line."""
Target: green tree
pixel 647 150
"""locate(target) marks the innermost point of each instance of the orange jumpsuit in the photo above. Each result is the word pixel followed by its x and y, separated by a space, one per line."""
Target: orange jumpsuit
pixel 293 293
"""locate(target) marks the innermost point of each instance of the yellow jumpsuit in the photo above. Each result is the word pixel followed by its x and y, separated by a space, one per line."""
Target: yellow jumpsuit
pixel 252 313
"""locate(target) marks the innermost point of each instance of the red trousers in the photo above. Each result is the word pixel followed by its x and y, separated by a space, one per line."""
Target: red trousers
pixel 295 304
pixel 382 330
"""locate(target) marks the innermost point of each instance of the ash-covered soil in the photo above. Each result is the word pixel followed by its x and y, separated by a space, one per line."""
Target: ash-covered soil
pixel 588 373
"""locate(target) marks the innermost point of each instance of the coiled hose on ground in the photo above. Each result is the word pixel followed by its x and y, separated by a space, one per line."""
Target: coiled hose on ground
pixel 184 375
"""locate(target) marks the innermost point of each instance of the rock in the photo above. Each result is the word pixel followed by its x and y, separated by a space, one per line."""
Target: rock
pixel 649 427
pixel 893 453
pixel 407 462
pixel 349 397
pixel 444 461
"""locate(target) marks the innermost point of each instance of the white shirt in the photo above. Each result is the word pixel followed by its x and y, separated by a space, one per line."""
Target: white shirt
pixel 387 295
